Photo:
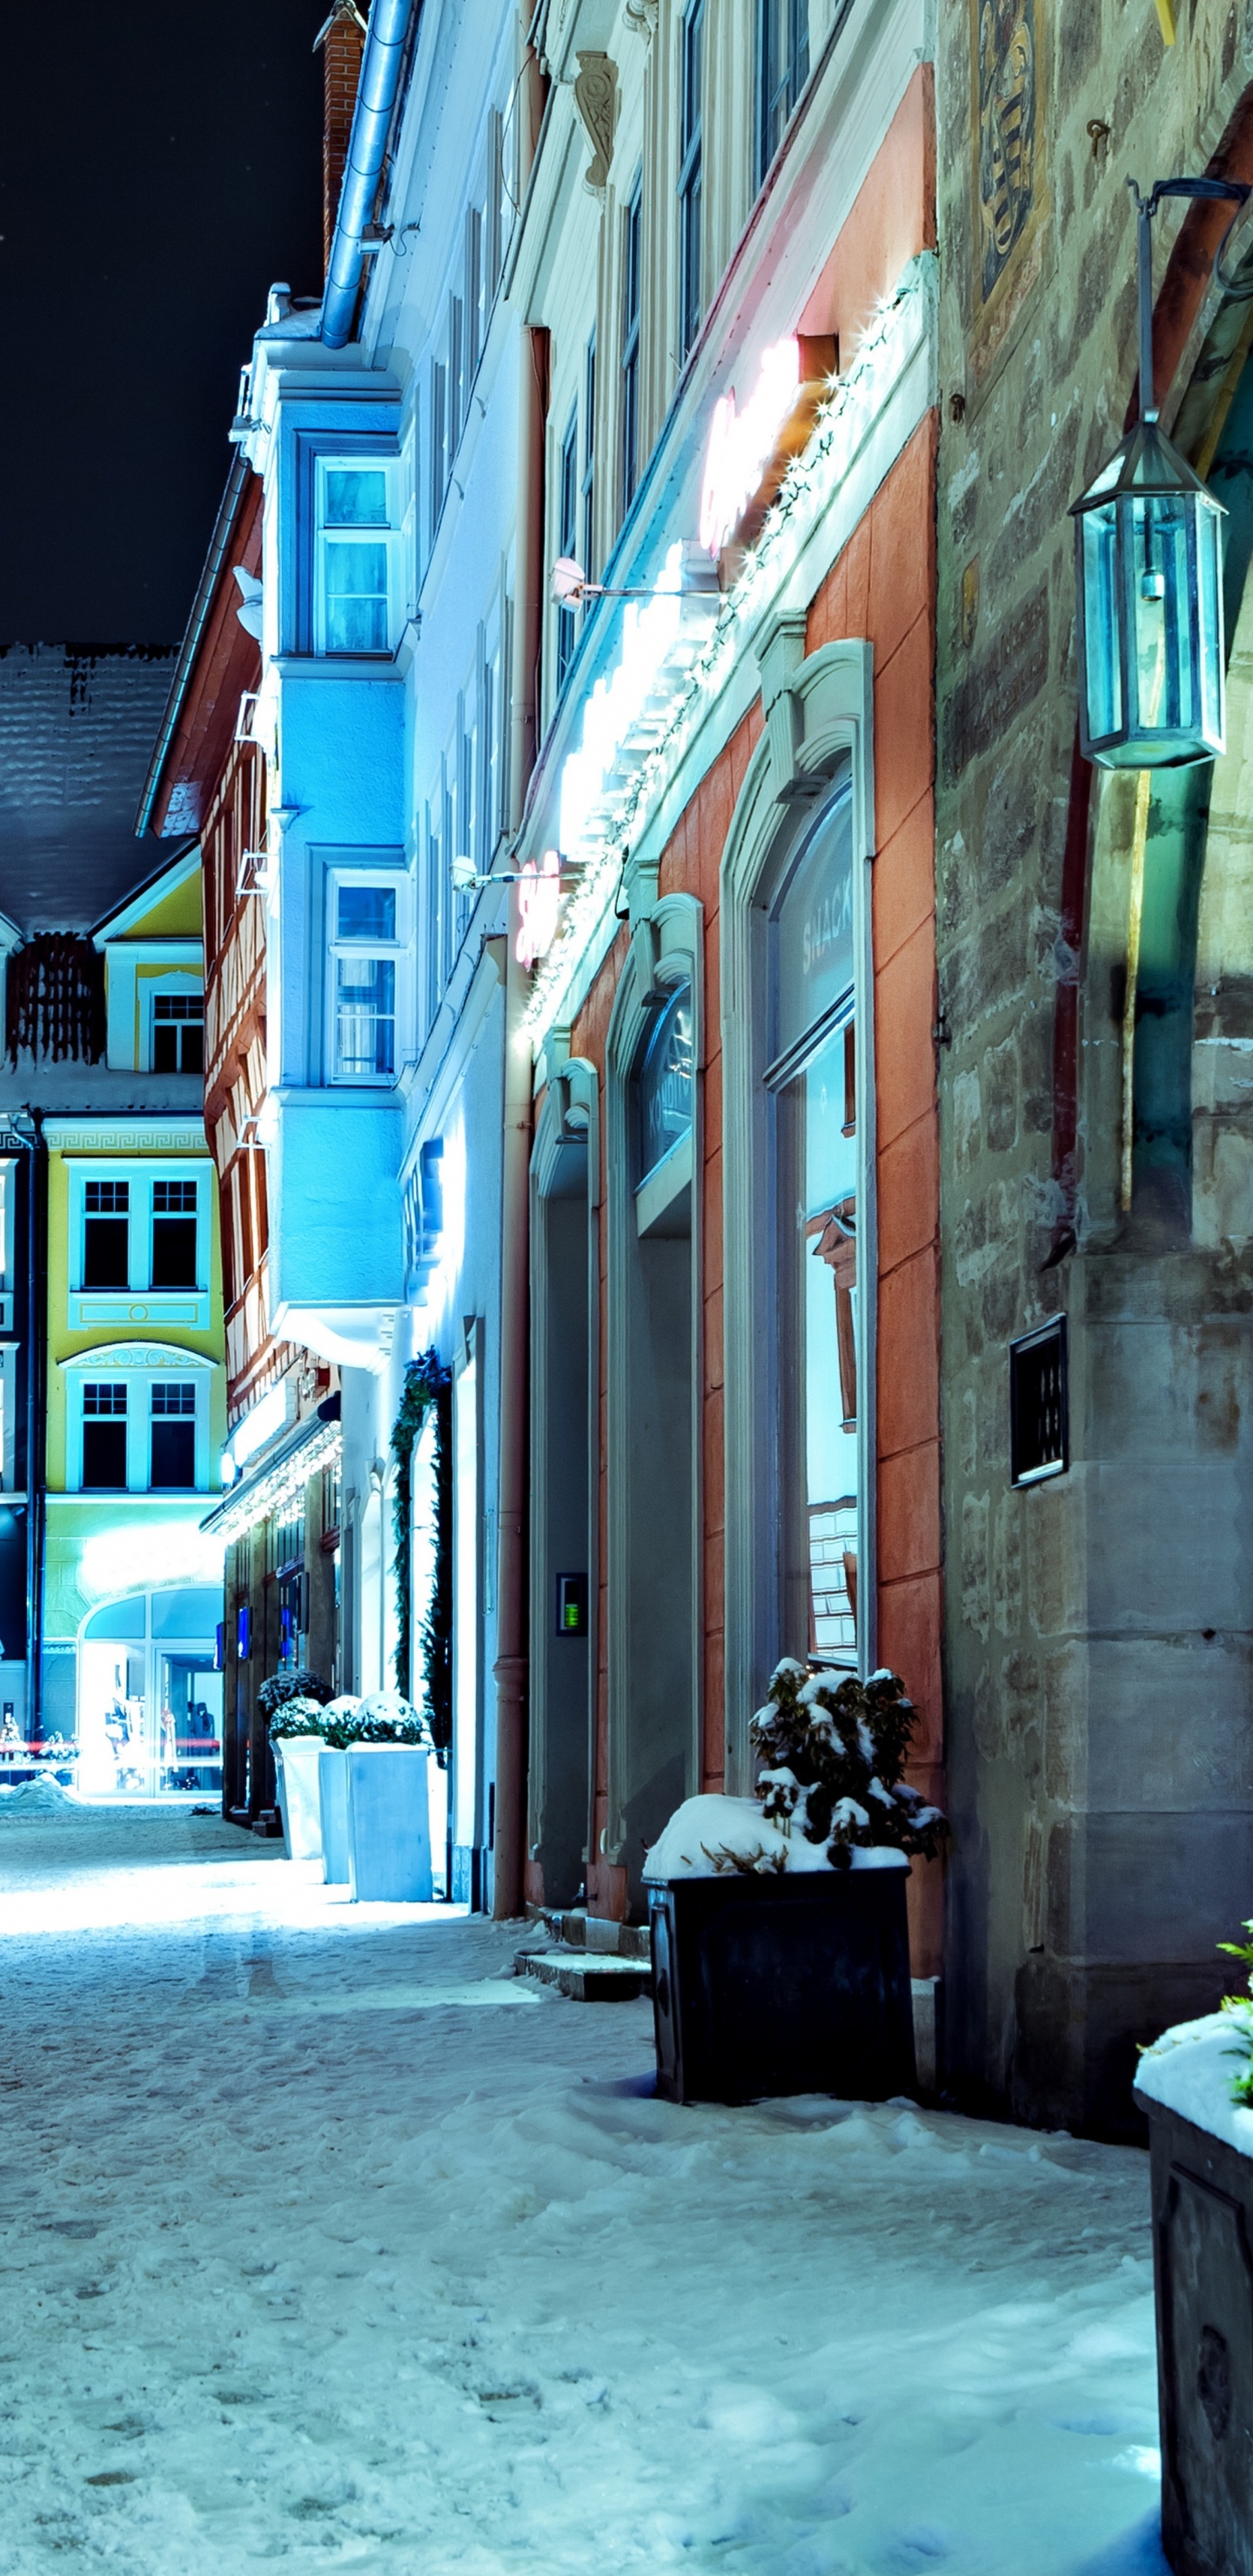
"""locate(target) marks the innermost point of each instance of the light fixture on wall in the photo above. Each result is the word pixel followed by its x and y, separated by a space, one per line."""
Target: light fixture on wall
pixel 1149 553
pixel 467 879
pixel 570 585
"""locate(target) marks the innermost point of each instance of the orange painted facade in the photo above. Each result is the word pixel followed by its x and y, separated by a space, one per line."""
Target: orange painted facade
pixel 882 589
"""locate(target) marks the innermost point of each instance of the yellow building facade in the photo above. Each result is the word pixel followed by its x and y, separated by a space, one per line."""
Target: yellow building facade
pixel 135 1419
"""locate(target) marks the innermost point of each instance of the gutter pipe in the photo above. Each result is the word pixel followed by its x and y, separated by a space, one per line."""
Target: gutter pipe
pixel 511 1671
pixel 26 1132
pixel 367 146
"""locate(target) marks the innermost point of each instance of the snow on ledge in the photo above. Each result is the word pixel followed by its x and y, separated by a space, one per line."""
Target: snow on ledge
pixel 703 1826
pixel 1189 2070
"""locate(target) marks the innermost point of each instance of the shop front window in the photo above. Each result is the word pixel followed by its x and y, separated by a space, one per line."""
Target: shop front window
pixel 812 1080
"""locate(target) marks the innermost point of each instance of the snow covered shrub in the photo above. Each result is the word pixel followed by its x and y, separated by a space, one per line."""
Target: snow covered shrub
pixel 1241 2010
pixel 292 1701
pixel 832 1754
pixel 385 1718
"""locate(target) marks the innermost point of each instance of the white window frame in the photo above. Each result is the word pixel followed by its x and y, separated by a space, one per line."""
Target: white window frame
pixel 8 1199
pixel 165 988
pixel 139 1302
pixel 8 1417
pixel 356 460
pixel 395 880
pixel 140 1367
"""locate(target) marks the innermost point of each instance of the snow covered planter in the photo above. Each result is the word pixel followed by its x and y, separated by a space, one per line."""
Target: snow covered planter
pixel 374 1799
pixel 1201 2142
pixel 780 1944
pixel 293 1702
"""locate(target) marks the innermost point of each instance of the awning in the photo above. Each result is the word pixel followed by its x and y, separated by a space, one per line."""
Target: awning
pixel 315 1443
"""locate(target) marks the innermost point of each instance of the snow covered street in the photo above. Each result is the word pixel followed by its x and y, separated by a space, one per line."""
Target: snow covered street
pixel 327 2241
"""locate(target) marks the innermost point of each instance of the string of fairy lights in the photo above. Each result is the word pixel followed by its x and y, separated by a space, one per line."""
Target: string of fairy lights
pixel 902 321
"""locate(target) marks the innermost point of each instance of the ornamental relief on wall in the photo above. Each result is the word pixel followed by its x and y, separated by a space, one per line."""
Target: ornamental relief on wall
pixel 1010 195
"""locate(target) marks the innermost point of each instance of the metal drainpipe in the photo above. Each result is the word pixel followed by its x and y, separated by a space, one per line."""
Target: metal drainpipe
pixel 30 1139
pixel 511 1667
pixel 376 96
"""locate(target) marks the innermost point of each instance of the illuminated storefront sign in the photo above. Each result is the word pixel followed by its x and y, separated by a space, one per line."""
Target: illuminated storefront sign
pixel 618 701
pixel 539 901
pixel 742 443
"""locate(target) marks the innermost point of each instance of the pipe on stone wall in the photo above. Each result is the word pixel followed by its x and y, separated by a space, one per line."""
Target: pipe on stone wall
pixel 376 97
pixel 511 1666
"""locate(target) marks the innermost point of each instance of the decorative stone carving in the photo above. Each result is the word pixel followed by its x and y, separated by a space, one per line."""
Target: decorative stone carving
pixel 642 15
pixel 596 98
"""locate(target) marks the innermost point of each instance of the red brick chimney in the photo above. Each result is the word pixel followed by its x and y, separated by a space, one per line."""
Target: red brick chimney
pixel 341 39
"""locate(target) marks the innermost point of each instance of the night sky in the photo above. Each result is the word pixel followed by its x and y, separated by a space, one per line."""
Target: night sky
pixel 162 165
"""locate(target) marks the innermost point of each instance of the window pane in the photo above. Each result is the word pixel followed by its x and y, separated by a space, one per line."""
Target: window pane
pixel 813 932
pixel 366 1016
pixel 106 1252
pixel 177 1395
pixel 104 1456
pixel 817 1211
pixel 173 1454
pixel 174 1252
pixel 356 597
pixel 665 1084
pixel 110 1398
pixel 366 912
pixel 356 497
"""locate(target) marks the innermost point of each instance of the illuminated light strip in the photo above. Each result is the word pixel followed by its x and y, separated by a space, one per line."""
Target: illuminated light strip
pixel 232 1520
pixel 672 710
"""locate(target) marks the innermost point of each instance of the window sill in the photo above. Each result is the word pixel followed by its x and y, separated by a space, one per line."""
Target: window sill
pixel 335 666
pixel 89 1307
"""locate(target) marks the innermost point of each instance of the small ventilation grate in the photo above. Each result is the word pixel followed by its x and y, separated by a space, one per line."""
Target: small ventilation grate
pixel 1039 1433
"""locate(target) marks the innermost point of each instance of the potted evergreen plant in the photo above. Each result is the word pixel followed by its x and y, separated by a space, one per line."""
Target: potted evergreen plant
pixel 388 1803
pixel 292 1701
pixel 780 1944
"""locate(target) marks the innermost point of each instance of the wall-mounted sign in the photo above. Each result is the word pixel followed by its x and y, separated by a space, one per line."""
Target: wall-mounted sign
pixel 539 901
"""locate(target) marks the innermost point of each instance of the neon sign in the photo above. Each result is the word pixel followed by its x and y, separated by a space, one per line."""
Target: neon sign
pixel 539 901
pixel 742 443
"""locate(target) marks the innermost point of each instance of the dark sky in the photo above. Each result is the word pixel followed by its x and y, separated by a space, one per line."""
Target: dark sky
pixel 161 166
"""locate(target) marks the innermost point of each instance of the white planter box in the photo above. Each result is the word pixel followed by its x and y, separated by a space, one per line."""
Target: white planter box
pixel 389 1824
pixel 296 1760
pixel 333 1813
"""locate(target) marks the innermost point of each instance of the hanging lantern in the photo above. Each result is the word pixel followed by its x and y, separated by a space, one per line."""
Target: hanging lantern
pixel 1149 547
pixel 1149 555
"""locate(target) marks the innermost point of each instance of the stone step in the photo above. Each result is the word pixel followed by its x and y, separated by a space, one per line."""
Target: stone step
pixel 575 1929
pixel 595 1979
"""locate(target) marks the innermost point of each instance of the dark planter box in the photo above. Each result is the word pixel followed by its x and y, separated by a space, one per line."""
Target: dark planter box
pixel 768 1985
pixel 1203 2280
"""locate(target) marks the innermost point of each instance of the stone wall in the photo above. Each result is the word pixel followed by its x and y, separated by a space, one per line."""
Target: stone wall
pixel 1098 1627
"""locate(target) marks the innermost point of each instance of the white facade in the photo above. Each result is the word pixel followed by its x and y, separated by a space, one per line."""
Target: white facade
pixel 390 479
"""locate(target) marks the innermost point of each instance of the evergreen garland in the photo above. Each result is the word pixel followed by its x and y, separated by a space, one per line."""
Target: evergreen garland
pixel 427 1383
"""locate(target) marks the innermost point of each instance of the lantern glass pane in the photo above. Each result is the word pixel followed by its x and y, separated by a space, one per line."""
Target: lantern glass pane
pixel 1103 667
pixel 1210 599
pixel 1162 615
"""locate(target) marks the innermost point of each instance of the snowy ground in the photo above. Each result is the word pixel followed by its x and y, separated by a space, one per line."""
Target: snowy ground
pixel 324 2243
